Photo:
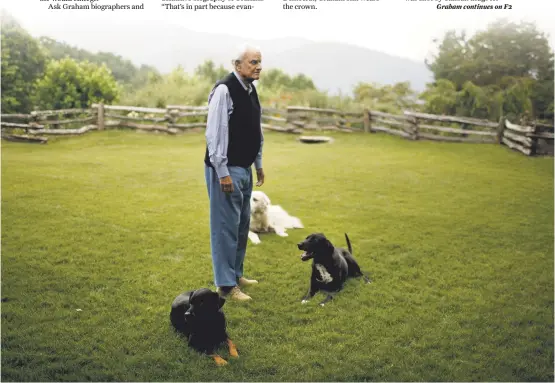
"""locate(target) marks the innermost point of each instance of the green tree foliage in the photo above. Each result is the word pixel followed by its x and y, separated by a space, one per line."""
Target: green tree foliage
pixel 278 89
pixel 516 93
pixel 386 98
pixel 440 97
pixel 302 82
pixel 506 69
pixel 209 72
pixel 175 88
pixel 124 71
pixel 71 84
pixel 77 78
pixel 23 61
pixel 179 88
pixel 453 62
pixel 474 101
pixel 275 79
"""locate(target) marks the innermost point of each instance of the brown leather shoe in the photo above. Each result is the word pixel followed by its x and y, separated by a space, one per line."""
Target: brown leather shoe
pixel 235 294
pixel 247 282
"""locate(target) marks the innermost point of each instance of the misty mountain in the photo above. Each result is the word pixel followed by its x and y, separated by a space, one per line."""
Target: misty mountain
pixel 332 66
pixel 337 66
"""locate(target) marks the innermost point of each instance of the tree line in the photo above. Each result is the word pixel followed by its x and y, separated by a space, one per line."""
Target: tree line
pixel 504 70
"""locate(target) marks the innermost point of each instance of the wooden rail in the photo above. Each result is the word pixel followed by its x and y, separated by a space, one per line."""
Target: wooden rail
pixel 530 139
pixel 335 120
pixel 536 139
pixel 40 122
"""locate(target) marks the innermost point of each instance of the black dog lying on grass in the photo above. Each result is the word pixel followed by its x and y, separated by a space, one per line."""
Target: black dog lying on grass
pixel 331 266
pixel 198 316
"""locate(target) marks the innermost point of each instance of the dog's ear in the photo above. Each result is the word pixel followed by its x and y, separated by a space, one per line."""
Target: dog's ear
pixel 324 244
pixel 267 199
pixel 198 295
pixel 221 301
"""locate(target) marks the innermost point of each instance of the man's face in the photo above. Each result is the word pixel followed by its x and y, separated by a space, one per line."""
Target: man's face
pixel 249 68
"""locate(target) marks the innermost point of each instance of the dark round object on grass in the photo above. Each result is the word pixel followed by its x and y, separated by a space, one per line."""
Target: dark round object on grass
pixel 315 139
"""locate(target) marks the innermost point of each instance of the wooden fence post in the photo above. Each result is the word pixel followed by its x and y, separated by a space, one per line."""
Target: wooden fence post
pixel 500 129
pixel 534 143
pixel 34 120
pixel 100 116
pixel 416 129
pixel 171 118
pixel 464 127
pixel 413 124
pixel 342 120
pixel 367 121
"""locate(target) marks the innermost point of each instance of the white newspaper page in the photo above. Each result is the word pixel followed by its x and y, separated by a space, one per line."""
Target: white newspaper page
pixel 277 190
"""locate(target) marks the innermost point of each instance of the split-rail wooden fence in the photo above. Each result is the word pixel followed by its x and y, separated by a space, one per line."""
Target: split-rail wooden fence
pixel 528 138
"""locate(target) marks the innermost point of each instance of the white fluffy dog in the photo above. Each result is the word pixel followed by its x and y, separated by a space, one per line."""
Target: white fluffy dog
pixel 268 218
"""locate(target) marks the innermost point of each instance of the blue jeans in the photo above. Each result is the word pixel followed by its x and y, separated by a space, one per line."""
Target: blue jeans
pixel 229 223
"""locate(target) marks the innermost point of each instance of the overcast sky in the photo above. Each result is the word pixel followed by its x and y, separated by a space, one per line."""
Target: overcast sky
pixel 398 27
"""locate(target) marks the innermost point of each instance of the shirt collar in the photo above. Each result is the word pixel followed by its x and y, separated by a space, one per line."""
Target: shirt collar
pixel 247 87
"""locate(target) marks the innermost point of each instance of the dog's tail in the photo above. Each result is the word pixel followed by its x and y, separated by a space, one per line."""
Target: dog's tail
pixel 348 243
pixel 359 273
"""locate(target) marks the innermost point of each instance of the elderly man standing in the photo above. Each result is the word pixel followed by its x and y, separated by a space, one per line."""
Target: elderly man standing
pixel 234 143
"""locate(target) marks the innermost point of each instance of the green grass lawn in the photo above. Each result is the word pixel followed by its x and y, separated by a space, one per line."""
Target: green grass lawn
pixel 101 232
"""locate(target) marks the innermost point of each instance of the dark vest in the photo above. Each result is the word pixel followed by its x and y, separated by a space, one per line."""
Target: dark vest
pixel 244 124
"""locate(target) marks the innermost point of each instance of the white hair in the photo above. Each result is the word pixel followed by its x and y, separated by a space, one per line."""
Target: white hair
pixel 241 50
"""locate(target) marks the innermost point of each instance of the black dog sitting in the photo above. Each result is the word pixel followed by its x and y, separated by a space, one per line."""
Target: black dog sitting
pixel 331 266
pixel 197 315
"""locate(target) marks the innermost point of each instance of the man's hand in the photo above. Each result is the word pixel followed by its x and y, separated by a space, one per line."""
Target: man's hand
pixel 226 184
pixel 260 177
